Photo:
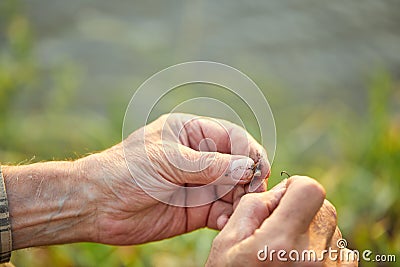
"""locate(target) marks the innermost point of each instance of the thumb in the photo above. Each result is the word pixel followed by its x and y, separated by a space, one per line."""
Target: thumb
pixel 252 210
pixel 214 167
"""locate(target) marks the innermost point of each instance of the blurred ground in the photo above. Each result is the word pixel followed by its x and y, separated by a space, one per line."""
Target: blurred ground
pixel 330 71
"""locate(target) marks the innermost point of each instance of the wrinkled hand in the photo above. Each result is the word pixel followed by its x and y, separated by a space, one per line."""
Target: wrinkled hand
pixel 168 159
pixel 291 216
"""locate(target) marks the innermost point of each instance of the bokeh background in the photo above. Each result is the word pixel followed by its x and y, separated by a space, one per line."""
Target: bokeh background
pixel 330 70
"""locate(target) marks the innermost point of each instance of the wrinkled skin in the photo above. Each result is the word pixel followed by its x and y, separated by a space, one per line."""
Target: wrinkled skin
pixel 154 159
pixel 291 216
pixel 128 215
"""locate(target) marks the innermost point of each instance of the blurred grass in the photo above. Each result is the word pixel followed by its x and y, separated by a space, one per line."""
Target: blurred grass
pixel 354 153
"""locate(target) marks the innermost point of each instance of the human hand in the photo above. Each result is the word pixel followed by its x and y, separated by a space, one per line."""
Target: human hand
pixel 291 216
pixel 167 159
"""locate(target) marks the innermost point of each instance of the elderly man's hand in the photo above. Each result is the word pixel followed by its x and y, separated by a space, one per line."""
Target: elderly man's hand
pixel 167 158
pixel 288 217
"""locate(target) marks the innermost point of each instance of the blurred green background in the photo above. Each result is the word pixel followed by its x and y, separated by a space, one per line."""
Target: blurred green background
pixel 329 70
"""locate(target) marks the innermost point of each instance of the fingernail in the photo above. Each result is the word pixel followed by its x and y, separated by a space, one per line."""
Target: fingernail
pixel 241 168
pixel 282 184
pixel 255 184
pixel 222 221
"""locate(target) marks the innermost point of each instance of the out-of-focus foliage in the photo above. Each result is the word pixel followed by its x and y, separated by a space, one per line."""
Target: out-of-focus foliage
pixel 354 153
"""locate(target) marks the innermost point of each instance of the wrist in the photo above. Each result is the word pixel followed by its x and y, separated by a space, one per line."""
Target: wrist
pixel 49 203
pixel 107 170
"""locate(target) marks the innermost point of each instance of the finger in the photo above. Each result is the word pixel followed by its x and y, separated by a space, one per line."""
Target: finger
pixel 235 195
pixel 302 200
pixel 257 185
pixel 226 137
pixel 238 193
pixel 349 258
pixel 244 144
pixel 251 211
pixel 337 235
pixel 226 192
pixel 322 227
pixel 214 215
pixel 345 257
pixel 222 221
pixel 332 261
pixel 219 212
pixel 207 167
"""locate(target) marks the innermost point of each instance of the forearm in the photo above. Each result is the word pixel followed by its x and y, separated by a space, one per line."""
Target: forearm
pixel 49 203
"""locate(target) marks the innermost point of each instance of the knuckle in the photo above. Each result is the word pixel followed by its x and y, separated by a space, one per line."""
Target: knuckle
pixel 212 162
pixel 330 208
pixel 164 117
pixel 249 199
pixel 170 117
pixel 252 201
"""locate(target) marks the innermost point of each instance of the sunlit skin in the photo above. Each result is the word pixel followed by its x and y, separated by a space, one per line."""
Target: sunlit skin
pixel 97 198
pixel 127 212
pixel 291 216
pixel 110 206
